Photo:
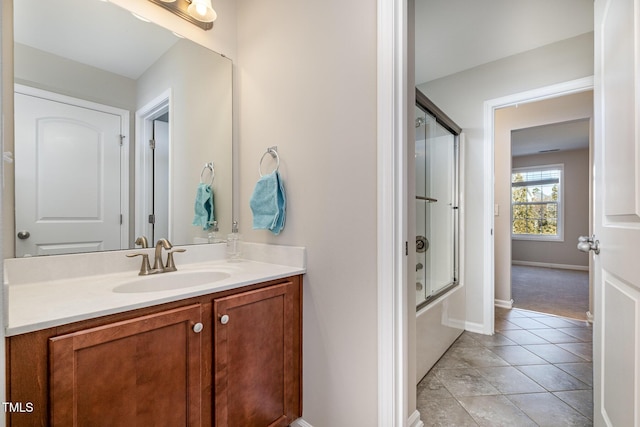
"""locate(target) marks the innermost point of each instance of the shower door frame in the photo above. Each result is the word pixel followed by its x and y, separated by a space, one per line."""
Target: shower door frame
pixel 425 104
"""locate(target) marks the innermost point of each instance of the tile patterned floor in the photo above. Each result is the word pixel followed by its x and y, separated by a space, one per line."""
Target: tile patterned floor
pixel 535 371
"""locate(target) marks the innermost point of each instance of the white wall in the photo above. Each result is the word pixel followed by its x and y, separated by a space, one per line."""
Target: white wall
pixel 462 97
pixel 555 110
pixel 307 83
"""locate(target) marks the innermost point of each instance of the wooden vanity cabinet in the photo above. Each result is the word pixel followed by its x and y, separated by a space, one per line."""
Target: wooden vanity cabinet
pixel 156 367
pixel 257 357
pixel 144 371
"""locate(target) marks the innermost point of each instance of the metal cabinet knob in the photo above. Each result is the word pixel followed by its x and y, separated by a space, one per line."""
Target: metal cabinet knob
pixel 198 327
pixel 22 235
pixel 224 319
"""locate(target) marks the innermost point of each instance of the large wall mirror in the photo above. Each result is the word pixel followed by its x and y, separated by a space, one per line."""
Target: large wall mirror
pixel 117 122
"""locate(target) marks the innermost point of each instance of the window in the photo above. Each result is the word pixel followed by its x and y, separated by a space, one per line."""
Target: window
pixel 536 203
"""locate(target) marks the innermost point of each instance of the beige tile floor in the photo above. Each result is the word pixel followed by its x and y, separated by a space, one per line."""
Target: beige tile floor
pixel 535 371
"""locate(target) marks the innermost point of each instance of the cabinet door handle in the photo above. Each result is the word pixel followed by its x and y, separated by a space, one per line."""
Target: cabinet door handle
pixel 198 327
pixel 224 319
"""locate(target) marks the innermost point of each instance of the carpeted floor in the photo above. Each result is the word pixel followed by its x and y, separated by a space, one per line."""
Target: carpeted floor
pixel 548 290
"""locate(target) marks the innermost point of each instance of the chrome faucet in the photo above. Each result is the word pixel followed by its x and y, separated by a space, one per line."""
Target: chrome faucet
pixel 158 265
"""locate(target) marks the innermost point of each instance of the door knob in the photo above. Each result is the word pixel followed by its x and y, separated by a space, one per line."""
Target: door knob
pixel 23 234
pixel 224 319
pixel 586 244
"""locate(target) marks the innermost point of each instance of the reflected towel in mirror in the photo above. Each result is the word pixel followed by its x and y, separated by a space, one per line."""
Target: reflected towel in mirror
pixel 204 209
pixel 268 203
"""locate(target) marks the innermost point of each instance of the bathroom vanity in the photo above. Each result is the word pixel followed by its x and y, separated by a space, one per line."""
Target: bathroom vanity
pixel 88 341
pixel 225 353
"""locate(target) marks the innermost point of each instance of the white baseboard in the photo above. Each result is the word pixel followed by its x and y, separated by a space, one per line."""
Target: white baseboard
pixel 414 420
pixel 478 328
pixel 551 265
pixel 503 303
pixel 300 423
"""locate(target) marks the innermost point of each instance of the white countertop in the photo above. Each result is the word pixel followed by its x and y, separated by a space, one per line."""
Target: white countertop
pixel 47 303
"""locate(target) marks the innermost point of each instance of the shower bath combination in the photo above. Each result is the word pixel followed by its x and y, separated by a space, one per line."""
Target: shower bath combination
pixel 436 201
pixel 440 297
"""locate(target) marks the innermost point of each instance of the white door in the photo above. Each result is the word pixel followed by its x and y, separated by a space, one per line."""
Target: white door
pixel 67 178
pixel 617 214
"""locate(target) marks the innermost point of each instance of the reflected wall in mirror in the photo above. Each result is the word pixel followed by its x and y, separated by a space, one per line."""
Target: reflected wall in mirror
pixel 90 96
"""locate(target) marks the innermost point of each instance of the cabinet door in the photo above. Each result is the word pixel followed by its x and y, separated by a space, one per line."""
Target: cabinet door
pixel 257 349
pixel 140 372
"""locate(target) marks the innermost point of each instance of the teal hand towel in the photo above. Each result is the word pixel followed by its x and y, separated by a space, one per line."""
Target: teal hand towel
pixel 203 208
pixel 268 203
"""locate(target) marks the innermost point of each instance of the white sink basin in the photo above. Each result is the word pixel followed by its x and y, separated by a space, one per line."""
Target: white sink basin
pixel 169 281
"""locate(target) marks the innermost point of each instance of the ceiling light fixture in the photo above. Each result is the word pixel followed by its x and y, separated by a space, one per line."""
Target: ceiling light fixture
pixel 198 12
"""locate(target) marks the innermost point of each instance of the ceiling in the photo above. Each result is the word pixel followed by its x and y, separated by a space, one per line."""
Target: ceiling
pixel 456 35
pixel 564 136
pixel 54 26
pixel 451 35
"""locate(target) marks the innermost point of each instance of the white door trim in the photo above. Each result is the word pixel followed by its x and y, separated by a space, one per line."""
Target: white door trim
pixel 144 132
pixel 4 130
pixel 392 211
pixel 124 151
pixel 547 92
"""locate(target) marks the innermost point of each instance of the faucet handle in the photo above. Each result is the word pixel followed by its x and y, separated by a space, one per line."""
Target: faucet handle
pixel 171 266
pixel 145 267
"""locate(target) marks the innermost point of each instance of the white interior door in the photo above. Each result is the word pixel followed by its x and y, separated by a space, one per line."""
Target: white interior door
pixel 67 178
pixel 617 214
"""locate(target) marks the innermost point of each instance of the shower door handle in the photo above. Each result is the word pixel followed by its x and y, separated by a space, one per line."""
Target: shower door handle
pixel 586 244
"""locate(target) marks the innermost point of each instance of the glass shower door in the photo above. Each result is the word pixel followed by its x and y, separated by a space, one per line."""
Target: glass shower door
pixel 436 207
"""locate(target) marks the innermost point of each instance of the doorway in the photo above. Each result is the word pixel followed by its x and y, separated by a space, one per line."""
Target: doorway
pixel 159 178
pixel 153 184
pixel 541 195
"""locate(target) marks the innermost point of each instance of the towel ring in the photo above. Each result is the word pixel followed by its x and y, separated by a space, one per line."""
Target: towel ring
pixel 274 153
pixel 213 172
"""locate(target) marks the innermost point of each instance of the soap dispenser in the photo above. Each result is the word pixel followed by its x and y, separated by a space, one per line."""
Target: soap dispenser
pixel 234 242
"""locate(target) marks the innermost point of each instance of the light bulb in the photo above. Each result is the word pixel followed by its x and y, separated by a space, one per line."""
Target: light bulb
pixel 202 10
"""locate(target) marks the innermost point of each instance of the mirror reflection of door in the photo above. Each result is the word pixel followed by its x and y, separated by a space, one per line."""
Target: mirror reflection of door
pixel 152 188
pixel 160 178
pixel 68 175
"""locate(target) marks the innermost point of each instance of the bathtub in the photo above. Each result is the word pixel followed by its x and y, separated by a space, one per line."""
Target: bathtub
pixel 438 325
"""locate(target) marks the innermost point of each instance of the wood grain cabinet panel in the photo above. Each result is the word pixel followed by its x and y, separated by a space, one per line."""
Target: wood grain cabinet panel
pixel 144 371
pixel 257 349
